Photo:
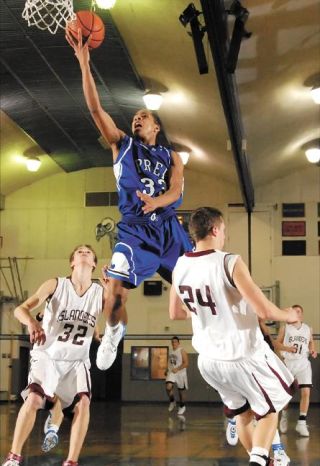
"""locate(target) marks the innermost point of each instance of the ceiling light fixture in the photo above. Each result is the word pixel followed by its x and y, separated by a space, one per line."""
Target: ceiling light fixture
pixel 184 157
pixel 33 164
pixel 105 4
pixel 312 150
pixel 313 154
pixel 183 150
pixel 315 94
pixel 152 100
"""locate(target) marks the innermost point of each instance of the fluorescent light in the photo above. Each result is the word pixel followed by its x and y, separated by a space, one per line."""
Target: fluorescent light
pixel 315 94
pixel 313 154
pixel 105 4
pixel 153 100
pixel 184 157
pixel 33 164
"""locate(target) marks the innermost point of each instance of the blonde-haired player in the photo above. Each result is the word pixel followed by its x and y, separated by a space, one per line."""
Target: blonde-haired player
pixel 60 357
pixel 296 343
pixel 224 304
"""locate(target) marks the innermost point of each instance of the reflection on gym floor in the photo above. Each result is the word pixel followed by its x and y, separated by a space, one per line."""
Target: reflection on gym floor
pixel 147 435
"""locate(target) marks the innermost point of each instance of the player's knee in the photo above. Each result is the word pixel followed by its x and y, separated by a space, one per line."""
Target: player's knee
pixel 84 402
pixel 246 417
pixel 35 401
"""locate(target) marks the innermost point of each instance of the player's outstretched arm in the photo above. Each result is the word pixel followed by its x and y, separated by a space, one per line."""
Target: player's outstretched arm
pixel 174 191
pixel 22 312
pixel 102 119
pixel 264 308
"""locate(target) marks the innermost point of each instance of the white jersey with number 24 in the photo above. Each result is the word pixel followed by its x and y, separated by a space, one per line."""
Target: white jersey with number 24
pixel 224 326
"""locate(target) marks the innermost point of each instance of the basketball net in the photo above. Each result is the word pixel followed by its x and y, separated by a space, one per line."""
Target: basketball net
pixel 48 14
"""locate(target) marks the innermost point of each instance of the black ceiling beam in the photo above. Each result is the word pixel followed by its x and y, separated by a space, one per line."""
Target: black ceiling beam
pixel 215 17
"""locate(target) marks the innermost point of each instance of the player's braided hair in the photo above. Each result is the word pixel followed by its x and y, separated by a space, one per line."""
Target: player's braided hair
pixel 202 221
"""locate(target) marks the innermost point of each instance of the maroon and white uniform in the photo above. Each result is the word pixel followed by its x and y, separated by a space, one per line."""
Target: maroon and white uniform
pixel 180 378
pixel 298 363
pixel 233 356
pixel 61 365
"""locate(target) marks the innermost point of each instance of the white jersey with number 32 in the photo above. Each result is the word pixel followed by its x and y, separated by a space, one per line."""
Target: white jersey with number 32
pixel 69 321
pixel 224 326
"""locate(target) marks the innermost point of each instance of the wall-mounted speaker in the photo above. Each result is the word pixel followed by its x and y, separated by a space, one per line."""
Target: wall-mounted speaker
pixel 152 287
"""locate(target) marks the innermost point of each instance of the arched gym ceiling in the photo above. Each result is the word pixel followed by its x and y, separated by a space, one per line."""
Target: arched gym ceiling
pixel 42 102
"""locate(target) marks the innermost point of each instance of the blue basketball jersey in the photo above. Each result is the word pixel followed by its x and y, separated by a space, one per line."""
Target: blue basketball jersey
pixel 145 168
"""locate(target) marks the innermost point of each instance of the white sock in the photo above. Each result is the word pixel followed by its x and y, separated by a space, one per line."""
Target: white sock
pixel 276 439
pixel 284 413
pixel 259 455
pixel 112 329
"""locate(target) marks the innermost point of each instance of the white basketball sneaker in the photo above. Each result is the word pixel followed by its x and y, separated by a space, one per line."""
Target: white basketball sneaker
pixel 51 439
pixel 172 405
pixel 302 428
pixel 231 432
pixel 107 351
pixel 280 458
pixel 283 425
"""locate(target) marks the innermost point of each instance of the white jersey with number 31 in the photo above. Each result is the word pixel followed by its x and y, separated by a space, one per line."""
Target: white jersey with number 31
pixel 224 326
pixel 298 337
pixel 69 321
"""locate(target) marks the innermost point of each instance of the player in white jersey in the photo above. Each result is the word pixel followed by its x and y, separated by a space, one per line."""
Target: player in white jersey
pixel 224 304
pixel 60 357
pixel 296 343
pixel 177 375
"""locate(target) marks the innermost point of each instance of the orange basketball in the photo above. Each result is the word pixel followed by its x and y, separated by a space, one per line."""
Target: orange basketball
pixel 90 25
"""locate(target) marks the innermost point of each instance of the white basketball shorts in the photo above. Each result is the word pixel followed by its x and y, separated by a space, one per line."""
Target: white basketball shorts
pixel 65 379
pixel 260 382
pixel 301 371
pixel 180 379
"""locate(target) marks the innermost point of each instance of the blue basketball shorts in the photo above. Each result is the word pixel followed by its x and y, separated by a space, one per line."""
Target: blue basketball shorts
pixel 144 249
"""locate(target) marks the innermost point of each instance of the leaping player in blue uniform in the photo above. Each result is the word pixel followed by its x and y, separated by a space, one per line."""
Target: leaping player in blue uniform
pixel 149 180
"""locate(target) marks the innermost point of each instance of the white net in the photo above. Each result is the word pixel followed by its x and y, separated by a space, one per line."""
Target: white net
pixel 48 14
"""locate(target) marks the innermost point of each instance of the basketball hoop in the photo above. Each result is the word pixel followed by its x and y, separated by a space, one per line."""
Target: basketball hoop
pixel 48 14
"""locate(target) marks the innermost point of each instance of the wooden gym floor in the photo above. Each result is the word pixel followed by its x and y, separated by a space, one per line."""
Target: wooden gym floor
pixel 146 435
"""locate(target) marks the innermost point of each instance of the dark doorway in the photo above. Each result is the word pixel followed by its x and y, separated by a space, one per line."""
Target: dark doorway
pixel 106 385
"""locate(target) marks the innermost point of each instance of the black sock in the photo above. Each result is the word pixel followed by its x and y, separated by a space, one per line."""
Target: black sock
pixel 302 417
pixel 181 405
pixel 171 398
pixel 264 460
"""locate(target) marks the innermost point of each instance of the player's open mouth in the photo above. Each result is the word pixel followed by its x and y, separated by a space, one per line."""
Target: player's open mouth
pixel 137 126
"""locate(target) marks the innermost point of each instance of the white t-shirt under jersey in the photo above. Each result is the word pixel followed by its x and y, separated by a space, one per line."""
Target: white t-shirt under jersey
pixel 298 337
pixel 224 326
pixel 69 321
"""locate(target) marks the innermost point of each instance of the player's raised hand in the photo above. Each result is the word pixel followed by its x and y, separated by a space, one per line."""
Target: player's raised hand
pixel 150 203
pixel 104 280
pixel 81 50
pixel 36 332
